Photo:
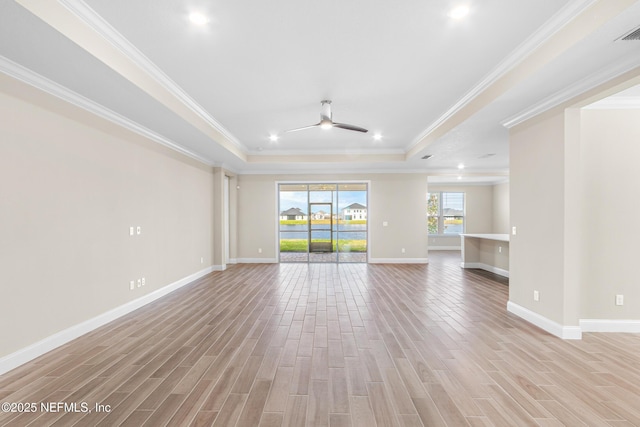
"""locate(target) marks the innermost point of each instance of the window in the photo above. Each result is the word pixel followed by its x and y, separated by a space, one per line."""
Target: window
pixel 445 213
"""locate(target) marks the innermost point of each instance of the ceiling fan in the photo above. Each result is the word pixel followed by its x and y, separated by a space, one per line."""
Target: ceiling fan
pixel 327 123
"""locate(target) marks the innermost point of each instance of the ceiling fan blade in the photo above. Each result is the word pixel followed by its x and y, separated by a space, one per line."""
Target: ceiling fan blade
pixel 302 128
pixel 349 127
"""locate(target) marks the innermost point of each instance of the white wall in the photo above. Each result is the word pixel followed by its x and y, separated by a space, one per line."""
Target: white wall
pixel 69 191
pixel 398 199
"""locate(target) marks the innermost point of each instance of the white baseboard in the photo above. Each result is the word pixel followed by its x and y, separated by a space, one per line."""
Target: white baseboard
pixel 610 325
pixel 554 328
pixel 257 260
pixel 444 248
pixel 487 267
pixel 399 261
pixel 45 345
pixel 218 267
pixel 232 261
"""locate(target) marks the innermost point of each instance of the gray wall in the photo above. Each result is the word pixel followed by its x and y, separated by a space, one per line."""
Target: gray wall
pixel 610 178
pixel 398 199
pixel 500 218
pixel 487 211
pixel 69 191
pixel 536 252
pixel 576 243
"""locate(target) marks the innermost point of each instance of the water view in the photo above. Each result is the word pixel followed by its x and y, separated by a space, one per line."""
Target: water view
pixel 345 231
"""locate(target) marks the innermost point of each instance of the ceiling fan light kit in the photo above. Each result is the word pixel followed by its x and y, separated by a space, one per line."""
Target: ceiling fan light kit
pixel 326 121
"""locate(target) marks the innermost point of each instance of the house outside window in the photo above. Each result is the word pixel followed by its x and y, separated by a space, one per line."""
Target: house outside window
pixel 445 213
pixel 354 211
pixel 293 214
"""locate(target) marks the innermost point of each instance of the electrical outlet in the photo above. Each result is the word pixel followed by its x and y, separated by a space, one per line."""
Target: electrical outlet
pixel 139 282
pixel 536 296
pixel 143 281
pixel 201 260
pixel 403 251
pixel 130 231
pixel 259 250
pixel 499 249
pixel 132 285
pixel 619 299
pixel 513 230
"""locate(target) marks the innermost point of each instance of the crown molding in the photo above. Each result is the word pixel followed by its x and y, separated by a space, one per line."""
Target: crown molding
pixel 94 21
pixel 331 170
pixel 488 183
pixel 544 33
pixel 42 83
pixel 572 91
pixel 616 103
pixel 345 152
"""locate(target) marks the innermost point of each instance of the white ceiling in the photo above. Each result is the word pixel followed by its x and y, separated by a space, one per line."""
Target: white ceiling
pixel 404 69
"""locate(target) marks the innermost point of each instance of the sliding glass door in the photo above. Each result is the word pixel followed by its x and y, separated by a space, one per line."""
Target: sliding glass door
pixel 351 227
pixel 322 222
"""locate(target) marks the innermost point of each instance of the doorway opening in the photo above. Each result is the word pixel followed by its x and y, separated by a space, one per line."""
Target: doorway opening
pixel 323 222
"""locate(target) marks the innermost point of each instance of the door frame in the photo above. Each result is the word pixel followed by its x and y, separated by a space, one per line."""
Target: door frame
pixel 311 182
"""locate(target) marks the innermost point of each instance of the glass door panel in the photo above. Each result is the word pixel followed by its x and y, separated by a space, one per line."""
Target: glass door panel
pixel 321 242
pixel 293 223
pixel 323 222
pixel 320 237
pixel 352 222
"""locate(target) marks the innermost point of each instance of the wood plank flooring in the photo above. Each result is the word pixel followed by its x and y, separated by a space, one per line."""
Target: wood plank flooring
pixel 332 345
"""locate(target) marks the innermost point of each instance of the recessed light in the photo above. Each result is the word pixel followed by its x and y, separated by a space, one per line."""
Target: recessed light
pixel 461 166
pixel 273 137
pixel 377 136
pixel 198 18
pixel 459 177
pixel 459 12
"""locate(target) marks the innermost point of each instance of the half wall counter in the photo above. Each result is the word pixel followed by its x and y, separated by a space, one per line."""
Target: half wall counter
pixel 488 252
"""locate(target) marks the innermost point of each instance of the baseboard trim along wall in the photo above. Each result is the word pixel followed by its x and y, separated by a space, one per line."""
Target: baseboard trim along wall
pixel 554 328
pixel 45 345
pixel 257 260
pixel 486 267
pixel 371 261
pixel 399 261
pixel 610 325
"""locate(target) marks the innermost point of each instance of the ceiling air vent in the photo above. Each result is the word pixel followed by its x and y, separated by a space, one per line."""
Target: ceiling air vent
pixel 633 35
pixel 427 156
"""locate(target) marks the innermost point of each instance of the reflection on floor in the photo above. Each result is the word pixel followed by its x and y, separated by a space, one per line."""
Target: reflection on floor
pixel 359 345
pixel 323 257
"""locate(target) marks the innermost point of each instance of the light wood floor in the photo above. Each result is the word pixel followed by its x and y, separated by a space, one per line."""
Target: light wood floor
pixel 338 345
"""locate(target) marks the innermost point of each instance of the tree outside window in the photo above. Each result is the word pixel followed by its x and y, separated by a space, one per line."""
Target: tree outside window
pixel 445 213
pixel 433 212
